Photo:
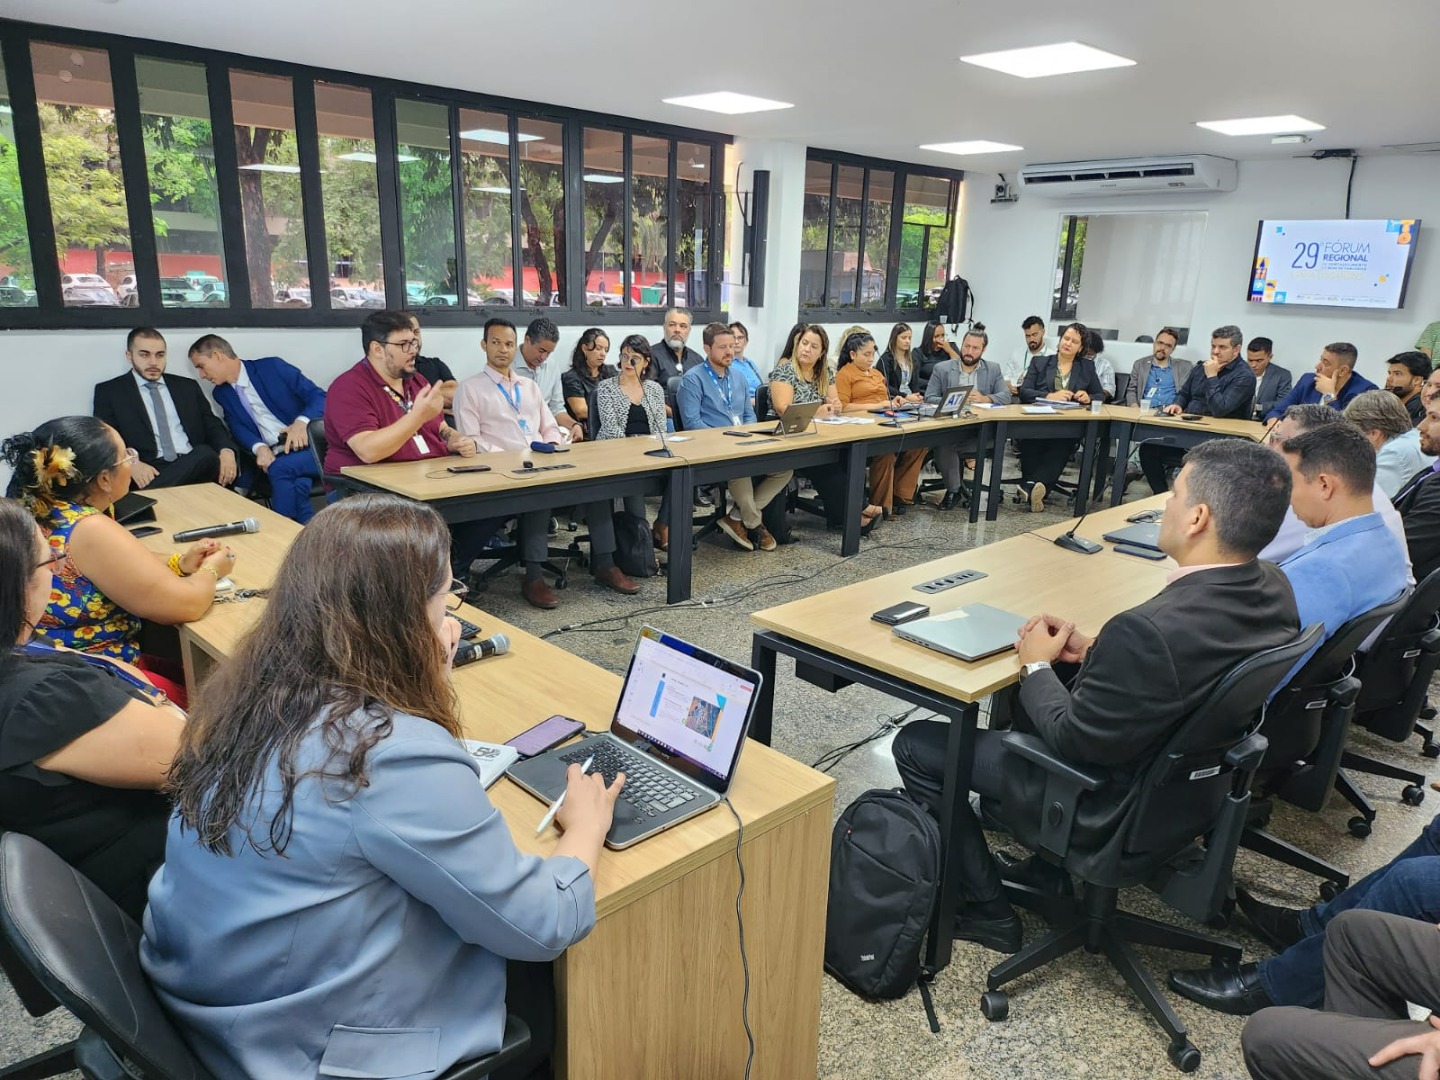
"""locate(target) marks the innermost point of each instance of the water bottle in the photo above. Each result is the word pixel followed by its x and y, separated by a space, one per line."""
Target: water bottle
pixel 1149 404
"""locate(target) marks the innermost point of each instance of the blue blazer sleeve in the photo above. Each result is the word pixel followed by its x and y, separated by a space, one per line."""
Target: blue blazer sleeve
pixel 236 418
pixel 286 391
pixel 1293 397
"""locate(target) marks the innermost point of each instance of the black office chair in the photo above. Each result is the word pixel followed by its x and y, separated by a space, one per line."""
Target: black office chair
pixel 38 1003
pixel 794 499
pixel 72 939
pixel 1197 786
pixel 1394 681
pixel 318 445
pixel 1306 723
pixel 1122 385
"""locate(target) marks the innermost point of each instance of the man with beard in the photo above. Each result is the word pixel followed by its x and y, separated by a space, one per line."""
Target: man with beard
pixel 1405 375
pixel 672 355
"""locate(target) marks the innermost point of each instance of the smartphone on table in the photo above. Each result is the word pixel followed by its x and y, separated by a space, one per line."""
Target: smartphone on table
pixel 550 732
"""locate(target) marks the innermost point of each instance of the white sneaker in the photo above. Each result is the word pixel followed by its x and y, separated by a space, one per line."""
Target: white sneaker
pixel 1037 497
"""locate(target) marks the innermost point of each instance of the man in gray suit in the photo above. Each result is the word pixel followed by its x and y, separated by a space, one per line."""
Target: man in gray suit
pixel 987 383
pixel 1272 382
pixel 1160 375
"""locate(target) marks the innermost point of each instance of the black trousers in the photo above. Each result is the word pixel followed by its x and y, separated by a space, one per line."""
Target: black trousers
pixel 1156 461
pixel 1043 460
pixel 1374 963
pixel 530 995
pixel 200 466
pixel 829 484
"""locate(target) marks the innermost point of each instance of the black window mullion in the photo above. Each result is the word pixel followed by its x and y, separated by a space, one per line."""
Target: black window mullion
pixel 830 236
pixel 517 251
pixel 25 116
pixel 387 181
pixel 576 243
pixel 627 165
pixel 457 206
pixel 860 239
pixel 307 145
pixel 672 225
pixel 715 268
pixel 897 239
pixel 130 136
pixel 227 185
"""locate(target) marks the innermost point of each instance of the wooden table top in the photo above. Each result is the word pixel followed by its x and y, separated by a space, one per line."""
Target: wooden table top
pixel 1251 429
pixel 1099 522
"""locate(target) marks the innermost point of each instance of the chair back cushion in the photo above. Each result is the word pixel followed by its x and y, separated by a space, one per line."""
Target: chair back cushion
pixel 1386 671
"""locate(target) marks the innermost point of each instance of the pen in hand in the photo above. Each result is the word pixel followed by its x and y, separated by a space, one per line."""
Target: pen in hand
pixel 555 806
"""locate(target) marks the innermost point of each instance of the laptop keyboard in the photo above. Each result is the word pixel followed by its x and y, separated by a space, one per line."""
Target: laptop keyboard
pixel 650 791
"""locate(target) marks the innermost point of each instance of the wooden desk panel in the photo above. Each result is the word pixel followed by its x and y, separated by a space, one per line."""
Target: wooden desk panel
pixel 1250 429
pixel 1100 522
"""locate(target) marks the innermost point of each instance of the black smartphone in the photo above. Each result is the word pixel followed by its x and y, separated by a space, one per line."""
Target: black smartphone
pixel 740 434
pixel 1146 516
pixel 901 613
pixel 1140 552
pixel 1191 416
pixel 550 732
pixel 466 468
pixel 146 530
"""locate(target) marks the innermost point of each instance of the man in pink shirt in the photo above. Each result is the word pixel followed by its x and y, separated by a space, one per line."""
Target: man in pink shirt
pixel 502 410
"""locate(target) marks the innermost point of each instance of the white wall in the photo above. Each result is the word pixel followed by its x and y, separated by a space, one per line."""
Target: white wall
pixel 1007 253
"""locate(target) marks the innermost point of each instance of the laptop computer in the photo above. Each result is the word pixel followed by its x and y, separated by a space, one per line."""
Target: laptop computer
pixel 972 632
pixel 797 419
pixel 1144 534
pixel 952 406
pixel 133 509
pixel 677 733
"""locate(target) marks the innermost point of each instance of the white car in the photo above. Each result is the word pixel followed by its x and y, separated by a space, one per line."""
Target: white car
pixel 87 290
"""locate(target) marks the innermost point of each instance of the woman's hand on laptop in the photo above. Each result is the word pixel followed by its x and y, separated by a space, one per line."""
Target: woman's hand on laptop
pixel 586 816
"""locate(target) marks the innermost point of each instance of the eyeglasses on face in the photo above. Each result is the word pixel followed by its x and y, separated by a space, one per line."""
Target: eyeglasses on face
pixel 132 457
pixel 51 561
pixel 409 345
pixel 457 592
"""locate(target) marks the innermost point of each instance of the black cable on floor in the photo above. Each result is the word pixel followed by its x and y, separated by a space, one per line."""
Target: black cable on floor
pixel 740 923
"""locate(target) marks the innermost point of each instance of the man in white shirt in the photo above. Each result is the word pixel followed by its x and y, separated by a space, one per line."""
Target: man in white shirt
pixel 534 362
pixel 1018 363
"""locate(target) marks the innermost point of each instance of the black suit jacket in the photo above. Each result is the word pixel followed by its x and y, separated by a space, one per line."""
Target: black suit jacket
pixel 1039 381
pixel 118 403
pixel 1419 504
pixel 1148 670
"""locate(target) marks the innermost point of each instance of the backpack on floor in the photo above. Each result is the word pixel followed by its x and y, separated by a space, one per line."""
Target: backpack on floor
pixel 884 881
pixel 634 546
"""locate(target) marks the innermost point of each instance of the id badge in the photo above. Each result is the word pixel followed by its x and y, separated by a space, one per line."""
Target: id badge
pixel 524 426
pixel 734 418
pixel 420 444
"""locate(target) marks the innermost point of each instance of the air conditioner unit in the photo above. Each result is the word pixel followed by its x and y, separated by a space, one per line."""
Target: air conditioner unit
pixel 1130 176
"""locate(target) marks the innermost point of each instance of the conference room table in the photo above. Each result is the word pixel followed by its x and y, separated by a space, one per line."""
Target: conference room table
pixel 835 643
pixel 1131 425
pixel 656 988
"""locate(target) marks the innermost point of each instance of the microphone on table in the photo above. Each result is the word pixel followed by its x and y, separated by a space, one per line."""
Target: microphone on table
pixel 1078 544
pixel 1266 433
pixel 469 651
pixel 663 450
pixel 234 528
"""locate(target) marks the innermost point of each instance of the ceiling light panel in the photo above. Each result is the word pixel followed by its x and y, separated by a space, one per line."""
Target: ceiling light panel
pixel 1041 61
pixel 974 146
pixel 1261 125
pixel 728 102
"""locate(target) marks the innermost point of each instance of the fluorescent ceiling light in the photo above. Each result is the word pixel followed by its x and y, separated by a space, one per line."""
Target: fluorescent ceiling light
pixel 728 102
pixel 492 190
pixel 1261 125
pixel 499 138
pixel 369 158
pixel 601 178
pixel 974 146
pixel 1037 62
pixel 267 167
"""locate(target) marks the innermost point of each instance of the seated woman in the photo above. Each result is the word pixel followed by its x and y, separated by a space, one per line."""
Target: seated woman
pixel 339 895
pixel 627 405
pixel 802 378
pixel 934 347
pixel 1066 376
pixel 587 368
pixel 742 363
pixel 68 472
pixel 899 364
pixel 84 741
pixel 1383 420
pixel 861 387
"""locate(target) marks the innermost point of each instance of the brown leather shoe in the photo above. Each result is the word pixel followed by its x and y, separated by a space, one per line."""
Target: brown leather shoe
pixel 660 536
pixel 613 578
pixel 763 540
pixel 538 593
pixel 737 532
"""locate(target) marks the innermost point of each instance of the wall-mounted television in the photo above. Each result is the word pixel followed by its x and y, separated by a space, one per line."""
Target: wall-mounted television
pixel 1355 264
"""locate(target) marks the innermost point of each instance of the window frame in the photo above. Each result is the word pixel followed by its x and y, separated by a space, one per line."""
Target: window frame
pixel 902 171
pixel 49 313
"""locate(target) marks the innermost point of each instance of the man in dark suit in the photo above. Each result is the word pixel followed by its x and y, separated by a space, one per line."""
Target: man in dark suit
pixel 268 405
pixel 165 419
pixel 1272 382
pixel 672 353
pixel 1419 499
pixel 1145 673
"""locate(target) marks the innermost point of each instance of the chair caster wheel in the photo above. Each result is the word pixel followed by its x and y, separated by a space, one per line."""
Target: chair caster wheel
pixel 1359 827
pixel 1413 795
pixel 562 582
pixel 1184 1056
pixel 1329 890
pixel 1431 750
pixel 995 1005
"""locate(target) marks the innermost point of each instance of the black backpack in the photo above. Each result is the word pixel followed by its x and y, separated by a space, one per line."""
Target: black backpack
pixel 634 546
pixel 955 304
pixel 884 880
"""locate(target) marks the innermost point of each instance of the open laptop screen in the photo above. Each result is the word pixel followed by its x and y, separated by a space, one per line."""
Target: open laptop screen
pixel 691 704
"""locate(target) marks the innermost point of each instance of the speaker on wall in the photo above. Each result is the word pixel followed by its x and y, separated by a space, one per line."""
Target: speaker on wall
pixel 757 235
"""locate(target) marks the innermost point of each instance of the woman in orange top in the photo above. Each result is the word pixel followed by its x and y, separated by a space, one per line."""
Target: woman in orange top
pixel 861 386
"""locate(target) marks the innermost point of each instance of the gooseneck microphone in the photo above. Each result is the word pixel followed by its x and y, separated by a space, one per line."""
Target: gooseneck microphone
pixel 1078 544
pixel 469 651
pixel 249 525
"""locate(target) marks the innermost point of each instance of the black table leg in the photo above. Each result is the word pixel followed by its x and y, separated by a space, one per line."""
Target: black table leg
pixel 977 485
pixel 854 497
pixel 954 801
pixel 1125 431
pixel 682 533
pixel 762 659
pixel 1087 464
pixel 997 466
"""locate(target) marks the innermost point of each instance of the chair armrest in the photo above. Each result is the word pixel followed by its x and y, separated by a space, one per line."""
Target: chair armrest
pixel 1246 756
pixel 1033 748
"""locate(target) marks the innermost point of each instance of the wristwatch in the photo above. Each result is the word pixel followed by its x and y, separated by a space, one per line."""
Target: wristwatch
pixel 1029 669
pixel 1327 399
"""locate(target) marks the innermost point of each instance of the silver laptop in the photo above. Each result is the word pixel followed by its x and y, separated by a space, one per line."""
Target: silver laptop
pixel 972 632
pixel 952 406
pixel 1144 534
pixel 797 419
pixel 676 735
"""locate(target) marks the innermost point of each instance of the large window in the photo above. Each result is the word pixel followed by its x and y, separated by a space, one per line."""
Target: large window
pixel 861 251
pixel 194 188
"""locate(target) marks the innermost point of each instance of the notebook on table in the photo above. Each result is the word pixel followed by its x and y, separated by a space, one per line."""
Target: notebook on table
pixel 972 632
pixel 952 406
pixel 797 419
pixel 1144 534
pixel 676 734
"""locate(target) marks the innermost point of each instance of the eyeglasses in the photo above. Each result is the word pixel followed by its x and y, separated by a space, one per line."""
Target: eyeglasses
pixel 48 562
pixel 458 591
pixel 408 345
pixel 132 457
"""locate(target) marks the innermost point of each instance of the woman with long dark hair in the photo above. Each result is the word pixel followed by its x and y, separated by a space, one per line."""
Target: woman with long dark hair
pixel 900 366
pixel 1066 376
pixel 587 368
pixel 84 741
pixel 934 347
pixel 338 889
pixel 862 387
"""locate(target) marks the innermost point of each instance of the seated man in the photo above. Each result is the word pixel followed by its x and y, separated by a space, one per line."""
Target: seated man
pixel 165 419
pixel 1223 386
pixel 988 384
pixel 501 410
pixel 436 372
pixel 1333 382
pixel 1146 672
pixel 534 362
pixel 1418 501
pixel 267 405
pixel 1405 375
pixel 710 396
pixel 1158 378
pixel 1407 885
pixel 1386 423
pixel 1272 382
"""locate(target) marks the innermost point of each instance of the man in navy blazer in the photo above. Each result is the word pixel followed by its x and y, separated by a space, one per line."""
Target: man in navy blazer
pixel 1272 382
pixel 1334 381
pixel 267 405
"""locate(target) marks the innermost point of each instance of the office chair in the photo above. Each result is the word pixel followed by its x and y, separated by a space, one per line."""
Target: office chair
pixel 1394 680
pixel 73 941
pixel 38 1003
pixel 1197 786
pixel 1306 723
pixel 318 446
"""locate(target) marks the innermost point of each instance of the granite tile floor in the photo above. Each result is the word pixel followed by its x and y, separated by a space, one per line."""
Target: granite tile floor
pixel 1075 1017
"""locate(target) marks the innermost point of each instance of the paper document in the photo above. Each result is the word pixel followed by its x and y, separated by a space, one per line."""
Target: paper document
pixel 493 759
pixel 1034 409
pixel 844 420
pixel 670 438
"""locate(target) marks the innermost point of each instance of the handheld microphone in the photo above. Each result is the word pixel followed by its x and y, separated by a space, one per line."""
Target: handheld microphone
pixel 234 528
pixel 469 651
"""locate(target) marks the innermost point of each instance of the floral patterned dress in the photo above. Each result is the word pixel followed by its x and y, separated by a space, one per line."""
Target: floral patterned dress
pixel 79 616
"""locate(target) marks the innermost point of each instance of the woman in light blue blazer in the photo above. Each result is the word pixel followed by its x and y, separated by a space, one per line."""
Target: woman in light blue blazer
pixel 339 896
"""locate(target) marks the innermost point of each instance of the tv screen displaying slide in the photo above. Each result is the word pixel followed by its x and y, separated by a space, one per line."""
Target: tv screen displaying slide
pixel 1360 264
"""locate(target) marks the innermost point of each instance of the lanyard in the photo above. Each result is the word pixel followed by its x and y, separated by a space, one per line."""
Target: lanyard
pixel 514 403
pixel 404 402
pixel 730 408
pixel 35 648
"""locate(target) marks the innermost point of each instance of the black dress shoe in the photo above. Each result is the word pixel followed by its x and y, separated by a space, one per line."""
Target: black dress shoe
pixel 949 501
pixel 1279 927
pixel 1002 935
pixel 1227 989
pixel 1035 873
